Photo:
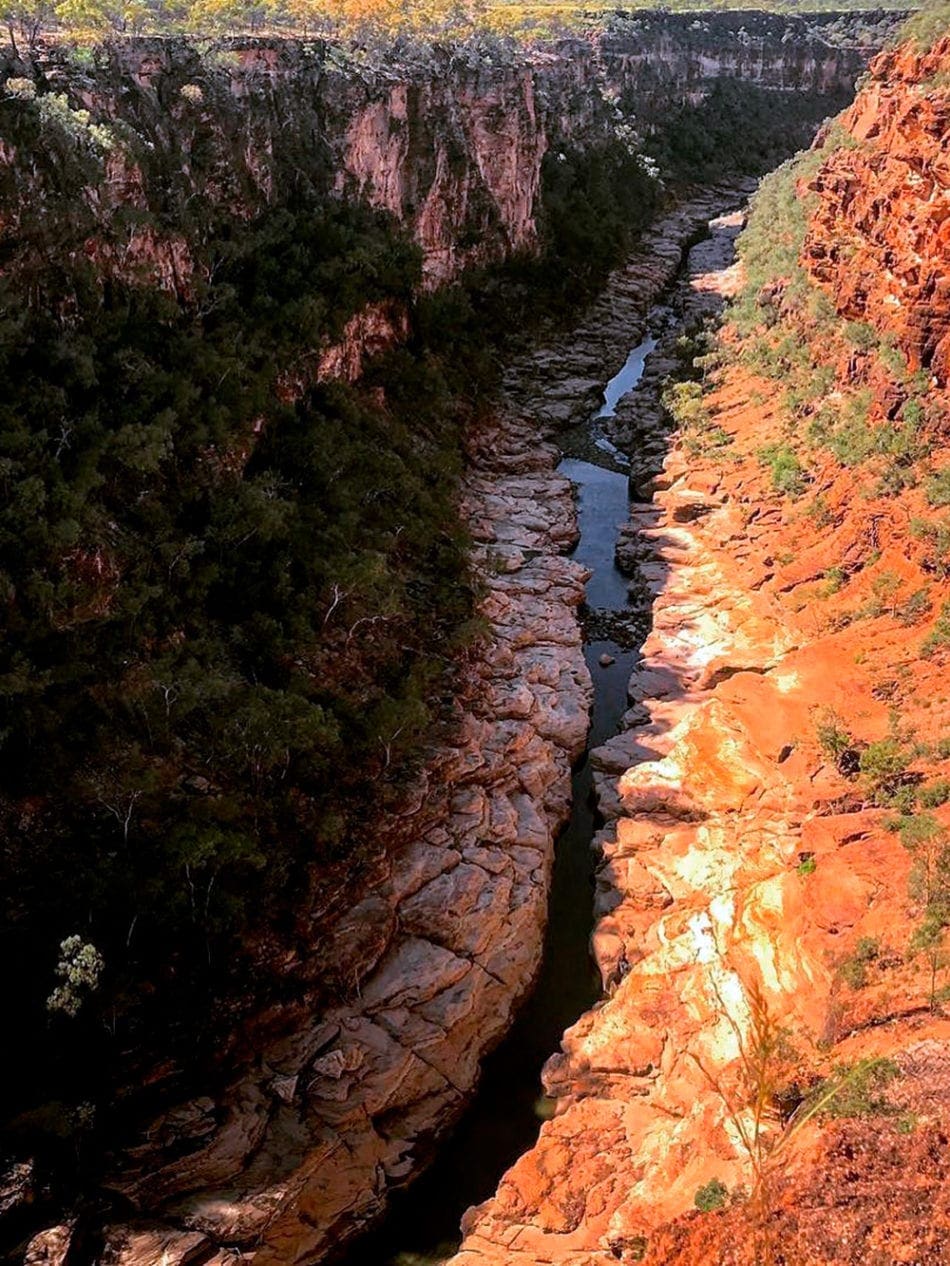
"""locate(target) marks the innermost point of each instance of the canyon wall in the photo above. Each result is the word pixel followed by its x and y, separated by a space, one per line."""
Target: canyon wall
pixel 295 1149
pixel 880 234
pixel 766 1077
pixel 450 142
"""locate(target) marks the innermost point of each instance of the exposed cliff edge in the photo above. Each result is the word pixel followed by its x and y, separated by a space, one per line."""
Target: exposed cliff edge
pixel 773 894
pixel 449 141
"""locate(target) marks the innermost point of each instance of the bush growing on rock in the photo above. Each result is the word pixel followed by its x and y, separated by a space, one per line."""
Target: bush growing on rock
pixel 788 474
pixel 854 970
pixel 939 635
pixel 882 766
pixel 935 537
pixel 937 488
pixel 834 738
pixel 713 1195
pixel 855 1090
pixel 934 794
pixel 929 886
pixel 914 608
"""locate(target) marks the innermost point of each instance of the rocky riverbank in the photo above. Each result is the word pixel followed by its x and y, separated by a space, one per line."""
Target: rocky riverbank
pixel 777 826
pixel 448 938
pixel 536 1214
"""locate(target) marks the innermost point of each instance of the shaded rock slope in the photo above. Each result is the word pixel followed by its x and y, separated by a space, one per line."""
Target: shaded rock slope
pixel 772 885
pixel 449 141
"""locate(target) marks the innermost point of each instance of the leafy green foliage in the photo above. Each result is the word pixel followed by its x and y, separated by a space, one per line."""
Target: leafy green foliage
pixel 713 1195
pixel 935 793
pixel 935 536
pixel 737 127
pixel 882 765
pixel 594 202
pixel 929 886
pixel 683 399
pixel 856 1090
pixel 833 737
pixel 854 970
pixel 939 635
pixel 788 474
pixel 937 488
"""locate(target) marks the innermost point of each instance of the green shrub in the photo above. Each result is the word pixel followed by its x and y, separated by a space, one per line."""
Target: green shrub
pixel 712 1196
pixel 788 475
pixel 684 402
pixel 861 335
pixel 935 535
pixel 884 587
pixel 820 512
pixel 833 738
pixel 929 885
pixel 934 793
pixel 882 766
pixel 939 635
pixel 853 971
pixel 916 607
pixel 937 488
pixel 856 1090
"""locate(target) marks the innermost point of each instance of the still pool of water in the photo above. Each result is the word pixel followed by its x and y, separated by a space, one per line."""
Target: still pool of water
pixel 603 503
pixel 624 382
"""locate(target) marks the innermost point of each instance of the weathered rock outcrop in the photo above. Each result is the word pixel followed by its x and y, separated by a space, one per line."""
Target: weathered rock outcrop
pixel 757 903
pixel 880 237
pixel 449 141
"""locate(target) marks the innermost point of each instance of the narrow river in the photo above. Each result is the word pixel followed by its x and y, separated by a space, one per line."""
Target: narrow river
pixel 502 1121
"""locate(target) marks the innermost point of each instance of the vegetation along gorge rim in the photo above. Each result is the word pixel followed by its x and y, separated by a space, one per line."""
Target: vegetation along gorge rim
pixel 248 1008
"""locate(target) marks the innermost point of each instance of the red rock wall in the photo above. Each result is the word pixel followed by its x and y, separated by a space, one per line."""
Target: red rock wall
pixel 743 868
pixel 879 240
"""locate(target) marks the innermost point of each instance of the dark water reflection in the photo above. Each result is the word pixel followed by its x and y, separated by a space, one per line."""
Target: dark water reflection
pixel 502 1121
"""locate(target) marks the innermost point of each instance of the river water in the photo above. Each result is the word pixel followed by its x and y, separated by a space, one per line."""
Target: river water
pixel 421 1227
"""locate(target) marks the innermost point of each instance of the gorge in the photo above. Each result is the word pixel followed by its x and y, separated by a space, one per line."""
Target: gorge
pixel 746 859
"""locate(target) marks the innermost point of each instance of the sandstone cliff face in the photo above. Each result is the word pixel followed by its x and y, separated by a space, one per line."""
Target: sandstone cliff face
pixel 760 912
pixel 450 142
pixel 879 239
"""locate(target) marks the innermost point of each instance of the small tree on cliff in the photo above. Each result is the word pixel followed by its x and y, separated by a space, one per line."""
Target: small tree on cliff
pixel 929 885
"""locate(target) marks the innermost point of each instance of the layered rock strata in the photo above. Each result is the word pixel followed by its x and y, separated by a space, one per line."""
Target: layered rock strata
pixel 299 1152
pixel 880 236
pixel 450 141
pixel 759 903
